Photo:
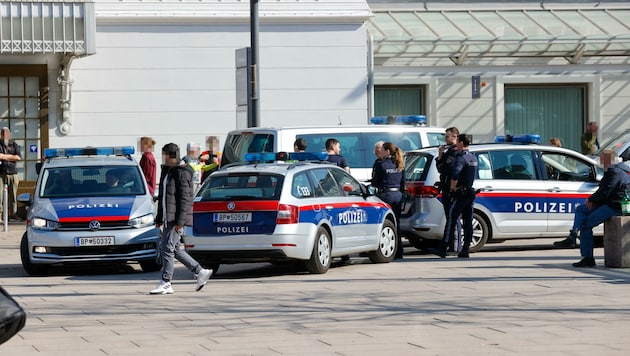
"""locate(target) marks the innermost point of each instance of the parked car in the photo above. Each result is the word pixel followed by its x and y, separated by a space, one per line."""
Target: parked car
pixel 526 190
pixel 294 210
pixel 357 142
pixel 90 205
pixel 620 144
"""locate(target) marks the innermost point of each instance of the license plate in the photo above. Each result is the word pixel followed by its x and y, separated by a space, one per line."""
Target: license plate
pixel 94 241
pixel 232 217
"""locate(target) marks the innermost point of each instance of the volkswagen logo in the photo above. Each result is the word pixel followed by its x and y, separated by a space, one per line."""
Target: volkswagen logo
pixel 231 205
pixel 94 225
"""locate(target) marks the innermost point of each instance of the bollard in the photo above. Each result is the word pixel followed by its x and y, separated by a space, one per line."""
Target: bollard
pixel 5 208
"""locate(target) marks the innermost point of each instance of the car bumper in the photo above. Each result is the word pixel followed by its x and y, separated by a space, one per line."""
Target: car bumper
pixel 425 222
pixel 59 246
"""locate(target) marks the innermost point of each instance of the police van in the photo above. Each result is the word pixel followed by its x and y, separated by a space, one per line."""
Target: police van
pixel 90 205
pixel 357 142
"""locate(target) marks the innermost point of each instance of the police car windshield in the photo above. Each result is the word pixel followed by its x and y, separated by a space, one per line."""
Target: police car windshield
pixel 91 181
pixel 241 187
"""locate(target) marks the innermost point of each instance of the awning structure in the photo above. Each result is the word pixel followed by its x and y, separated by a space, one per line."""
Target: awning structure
pixel 459 35
pixel 36 27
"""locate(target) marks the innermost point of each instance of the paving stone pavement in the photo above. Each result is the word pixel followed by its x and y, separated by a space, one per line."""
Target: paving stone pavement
pixel 500 302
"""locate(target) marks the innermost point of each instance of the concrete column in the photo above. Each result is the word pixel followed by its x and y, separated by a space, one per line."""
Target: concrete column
pixel 617 242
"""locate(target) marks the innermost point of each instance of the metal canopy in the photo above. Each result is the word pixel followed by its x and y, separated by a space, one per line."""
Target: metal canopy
pixel 36 27
pixel 459 35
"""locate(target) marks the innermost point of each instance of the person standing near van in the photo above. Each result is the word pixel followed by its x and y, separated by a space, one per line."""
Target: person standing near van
pixel 8 172
pixel 389 178
pixel 175 204
pixel 333 147
pixel 299 145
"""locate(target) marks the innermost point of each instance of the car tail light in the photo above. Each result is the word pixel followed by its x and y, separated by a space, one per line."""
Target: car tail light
pixel 419 190
pixel 287 214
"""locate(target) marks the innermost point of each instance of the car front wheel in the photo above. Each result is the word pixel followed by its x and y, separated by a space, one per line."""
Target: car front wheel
pixel 30 267
pixel 320 257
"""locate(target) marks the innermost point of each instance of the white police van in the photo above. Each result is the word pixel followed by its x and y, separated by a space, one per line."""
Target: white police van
pixel 294 209
pixel 357 142
pixel 90 205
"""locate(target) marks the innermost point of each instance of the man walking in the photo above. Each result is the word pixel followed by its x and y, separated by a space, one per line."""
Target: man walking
pixel 8 172
pixel 174 212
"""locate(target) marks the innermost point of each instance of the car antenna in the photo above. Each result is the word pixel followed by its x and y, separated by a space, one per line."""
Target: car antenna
pixel 339 118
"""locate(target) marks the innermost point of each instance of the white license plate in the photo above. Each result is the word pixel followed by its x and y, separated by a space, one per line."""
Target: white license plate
pixel 94 241
pixel 232 217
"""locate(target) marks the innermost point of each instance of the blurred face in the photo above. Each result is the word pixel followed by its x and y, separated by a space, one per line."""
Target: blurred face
pixel 170 159
pixel 336 148
pixel 450 138
pixel 5 135
pixel 378 150
pixel 593 128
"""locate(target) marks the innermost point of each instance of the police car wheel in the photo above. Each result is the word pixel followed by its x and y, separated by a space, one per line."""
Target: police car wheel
pixel 30 267
pixel 320 257
pixel 151 265
pixel 386 244
pixel 481 232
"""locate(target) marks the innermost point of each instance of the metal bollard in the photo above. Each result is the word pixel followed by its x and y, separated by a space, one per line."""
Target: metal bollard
pixel 5 207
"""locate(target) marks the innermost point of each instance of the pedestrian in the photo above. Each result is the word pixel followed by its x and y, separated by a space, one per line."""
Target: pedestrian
pixel 175 197
pixel 462 195
pixel 147 162
pixel 588 140
pixel 554 141
pixel 8 173
pixel 209 164
pixel 446 156
pixel 299 145
pixel 333 147
pixel 389 179
pixel 378 152
pixel 599 207
pixel 192 159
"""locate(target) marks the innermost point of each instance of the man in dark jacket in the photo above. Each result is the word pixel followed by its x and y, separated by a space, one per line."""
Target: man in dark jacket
pixel 599 207
pixel 174 212
pixel 8 172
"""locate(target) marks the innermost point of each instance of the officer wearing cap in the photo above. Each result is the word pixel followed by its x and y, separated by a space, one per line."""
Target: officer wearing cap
pixel 389 178
pixel 462 195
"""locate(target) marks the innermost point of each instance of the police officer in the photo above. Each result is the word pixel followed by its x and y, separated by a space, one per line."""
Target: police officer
pixel 462 195
pixel 389 178
pixel 446 157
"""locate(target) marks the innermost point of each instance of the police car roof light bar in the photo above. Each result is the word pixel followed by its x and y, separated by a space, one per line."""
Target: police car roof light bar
pixel 88 151
pixel 399 120
pixel 308 156
pixel 518 138
pixel 260 157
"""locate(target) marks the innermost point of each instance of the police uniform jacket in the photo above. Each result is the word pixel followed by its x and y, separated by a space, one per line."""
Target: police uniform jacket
pixel 463 169
pixel 179 196
pixel 387 177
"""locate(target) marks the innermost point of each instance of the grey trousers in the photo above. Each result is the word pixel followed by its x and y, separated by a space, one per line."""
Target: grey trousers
pixel 171 250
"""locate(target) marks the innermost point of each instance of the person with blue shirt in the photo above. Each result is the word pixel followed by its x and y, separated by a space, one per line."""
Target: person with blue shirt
pixel 333 147
pixel 389 179
pixel 462 195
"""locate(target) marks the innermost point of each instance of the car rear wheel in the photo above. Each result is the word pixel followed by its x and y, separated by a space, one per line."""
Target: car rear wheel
pixel 320 257
pixel 30 267
pixel 481 232
pixel 386 244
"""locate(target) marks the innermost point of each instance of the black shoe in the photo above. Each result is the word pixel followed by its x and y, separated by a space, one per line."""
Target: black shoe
pixel 463 255
pixel 585 262
pixel 569 242
pixel 438 251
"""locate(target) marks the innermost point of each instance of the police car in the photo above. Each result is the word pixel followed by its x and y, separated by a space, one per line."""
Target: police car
pixel 89 205
pixel 296 207
pixel 526 190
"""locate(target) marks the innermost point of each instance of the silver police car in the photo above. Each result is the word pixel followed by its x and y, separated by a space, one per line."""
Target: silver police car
pixel 526 190
pixel 90 205
pixel 295 208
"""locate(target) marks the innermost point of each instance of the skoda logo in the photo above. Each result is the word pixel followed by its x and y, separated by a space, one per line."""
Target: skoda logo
pixel 231 205
pixel 94 225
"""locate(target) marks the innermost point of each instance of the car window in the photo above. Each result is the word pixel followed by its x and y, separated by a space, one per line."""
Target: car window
pixel 484 168
pixel 325 184
pixel 247 186
pixel 563 167
pixel 415 167
pixel 239 144
pixel 436 138
pixel 90 181
pixel 349 185
pixel 512 165
pixel 301 186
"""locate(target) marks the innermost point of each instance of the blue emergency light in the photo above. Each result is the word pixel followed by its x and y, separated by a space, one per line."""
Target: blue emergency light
pixel 518 138
pixel 308 156
pixel 399 120
pixel 260 157
pixel 88 151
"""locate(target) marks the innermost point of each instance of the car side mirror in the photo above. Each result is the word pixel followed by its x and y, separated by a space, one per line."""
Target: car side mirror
pixel 38 167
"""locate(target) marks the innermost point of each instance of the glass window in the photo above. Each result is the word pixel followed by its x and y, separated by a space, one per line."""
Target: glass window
pixel 325 185
pixel 248 186
pixel 301 186
pixel 415 167
pixel 349 185
pixel 566 168
pixel 484 168
pixel 91 181
pixel 511 165
pixel 390 100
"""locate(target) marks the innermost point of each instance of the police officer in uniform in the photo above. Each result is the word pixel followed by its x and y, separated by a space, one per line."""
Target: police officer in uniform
pixel 389 178
pixel 462 195
pixel 446 157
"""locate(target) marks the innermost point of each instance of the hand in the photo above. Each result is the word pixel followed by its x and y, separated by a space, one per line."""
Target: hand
pixel 179 229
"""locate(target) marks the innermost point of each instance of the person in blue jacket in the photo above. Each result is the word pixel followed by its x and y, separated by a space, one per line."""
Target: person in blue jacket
pixel 389 178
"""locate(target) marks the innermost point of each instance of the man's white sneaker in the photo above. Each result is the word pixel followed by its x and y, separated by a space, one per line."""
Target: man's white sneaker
pixel 163 288
pixel 202 278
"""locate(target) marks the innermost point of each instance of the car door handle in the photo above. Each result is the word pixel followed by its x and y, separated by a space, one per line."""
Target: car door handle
pixel 487 189
pixel 555 189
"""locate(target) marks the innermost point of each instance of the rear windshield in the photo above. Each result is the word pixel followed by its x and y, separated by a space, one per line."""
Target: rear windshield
pixel 91 181
pixel 241 187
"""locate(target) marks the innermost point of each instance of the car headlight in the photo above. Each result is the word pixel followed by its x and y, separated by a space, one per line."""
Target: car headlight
pixel 44 224
pixel 142 221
